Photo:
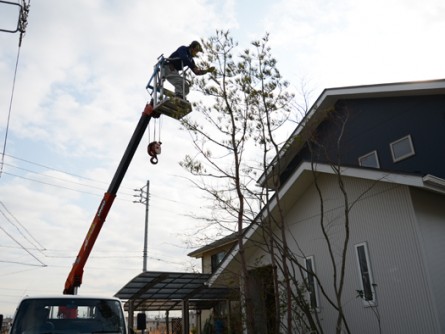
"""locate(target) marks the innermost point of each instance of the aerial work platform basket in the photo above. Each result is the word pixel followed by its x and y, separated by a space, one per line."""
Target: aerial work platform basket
pixel 163 100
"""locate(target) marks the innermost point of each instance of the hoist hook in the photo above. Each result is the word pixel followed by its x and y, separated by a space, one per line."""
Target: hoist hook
pixel 153 149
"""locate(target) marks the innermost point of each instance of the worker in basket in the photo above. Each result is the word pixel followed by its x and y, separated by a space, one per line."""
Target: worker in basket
pixel 183 57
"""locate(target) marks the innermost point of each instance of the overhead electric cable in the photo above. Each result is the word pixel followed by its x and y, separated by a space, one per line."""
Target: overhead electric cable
pixel 15 273
pixel 68 181
pixel 52 168
pixel 9 113
pixel 24 263
pixel 61 171
pixel 22 247
pixel 22 23
pixel 51 184
pixel 34 241
pixel 53 177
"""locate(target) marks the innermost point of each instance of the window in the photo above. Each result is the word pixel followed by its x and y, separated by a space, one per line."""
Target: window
pixel 366 291
pixel 402 148
pixel 369 160
pixel 216 260
pixel 311 281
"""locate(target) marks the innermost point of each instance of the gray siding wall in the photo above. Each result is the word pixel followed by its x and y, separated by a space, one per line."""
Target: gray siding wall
pixel 430 212
pixel 383 216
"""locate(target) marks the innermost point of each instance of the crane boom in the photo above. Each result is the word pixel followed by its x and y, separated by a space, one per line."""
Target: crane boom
pixel 74 279
pixel 163 102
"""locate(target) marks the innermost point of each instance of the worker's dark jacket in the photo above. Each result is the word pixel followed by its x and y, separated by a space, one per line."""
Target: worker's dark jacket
pixel 182 57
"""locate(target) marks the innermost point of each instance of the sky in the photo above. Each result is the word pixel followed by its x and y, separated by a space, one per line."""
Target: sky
pixel 80 90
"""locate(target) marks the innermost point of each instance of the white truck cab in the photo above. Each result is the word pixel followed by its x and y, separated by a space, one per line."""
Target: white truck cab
pixel 69 314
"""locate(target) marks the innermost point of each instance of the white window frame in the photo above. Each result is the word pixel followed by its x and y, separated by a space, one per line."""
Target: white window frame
pixel 366 302
pixel 376 158
pixel 306 277
pixel 410 154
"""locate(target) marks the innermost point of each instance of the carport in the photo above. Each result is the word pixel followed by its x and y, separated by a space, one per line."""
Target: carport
pixel 172 291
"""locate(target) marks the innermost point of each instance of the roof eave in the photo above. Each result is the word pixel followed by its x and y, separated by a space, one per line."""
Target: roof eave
pixel 327 100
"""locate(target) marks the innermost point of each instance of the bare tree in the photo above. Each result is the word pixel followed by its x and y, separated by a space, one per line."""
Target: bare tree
pixel 235 130
pixel 221 135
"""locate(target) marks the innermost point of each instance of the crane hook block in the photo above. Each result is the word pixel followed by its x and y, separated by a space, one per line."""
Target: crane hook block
pixel 153 149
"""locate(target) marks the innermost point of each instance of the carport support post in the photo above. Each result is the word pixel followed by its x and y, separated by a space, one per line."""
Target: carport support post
pixel 167 322
pixel 130 316
pixel 198 321
pixel 229 316
pixel 185 317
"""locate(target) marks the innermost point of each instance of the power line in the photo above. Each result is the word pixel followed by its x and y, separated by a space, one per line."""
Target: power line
pixel 34 242
pixel 73 256
pixel 69 181
pixel 62 187
pixel 21 26
pixel 9 112
pixel 17 272
pixel 60 171
pixel 23 247
pixel 49 184
pixel 25 263
pixel 156 258
pixel 53 177
pixel 54 169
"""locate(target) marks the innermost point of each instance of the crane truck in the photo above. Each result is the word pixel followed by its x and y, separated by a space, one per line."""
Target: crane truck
pixel 73 314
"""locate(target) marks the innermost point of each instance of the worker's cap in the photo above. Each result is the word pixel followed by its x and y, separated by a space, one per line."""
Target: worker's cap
pixel 196 45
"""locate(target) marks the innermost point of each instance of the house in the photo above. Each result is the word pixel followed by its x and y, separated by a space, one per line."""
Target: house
pixel 211 256
pixel 365 168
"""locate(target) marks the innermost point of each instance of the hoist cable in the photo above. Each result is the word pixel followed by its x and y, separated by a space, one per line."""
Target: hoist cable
pixel 160 127
pixel 157 125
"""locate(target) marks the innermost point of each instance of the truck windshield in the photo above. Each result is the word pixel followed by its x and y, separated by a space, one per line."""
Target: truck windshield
pixel 68 315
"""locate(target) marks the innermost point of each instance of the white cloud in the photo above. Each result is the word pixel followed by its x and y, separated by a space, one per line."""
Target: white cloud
pixel 357 42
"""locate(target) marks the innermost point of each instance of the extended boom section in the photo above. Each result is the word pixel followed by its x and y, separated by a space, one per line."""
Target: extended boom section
pixel 162 101
pixel 74 279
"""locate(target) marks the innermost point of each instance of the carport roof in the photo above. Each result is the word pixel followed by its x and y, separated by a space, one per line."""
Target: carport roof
pixel 165 291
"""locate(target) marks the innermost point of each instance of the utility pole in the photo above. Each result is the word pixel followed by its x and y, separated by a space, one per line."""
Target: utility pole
pixel 144 197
